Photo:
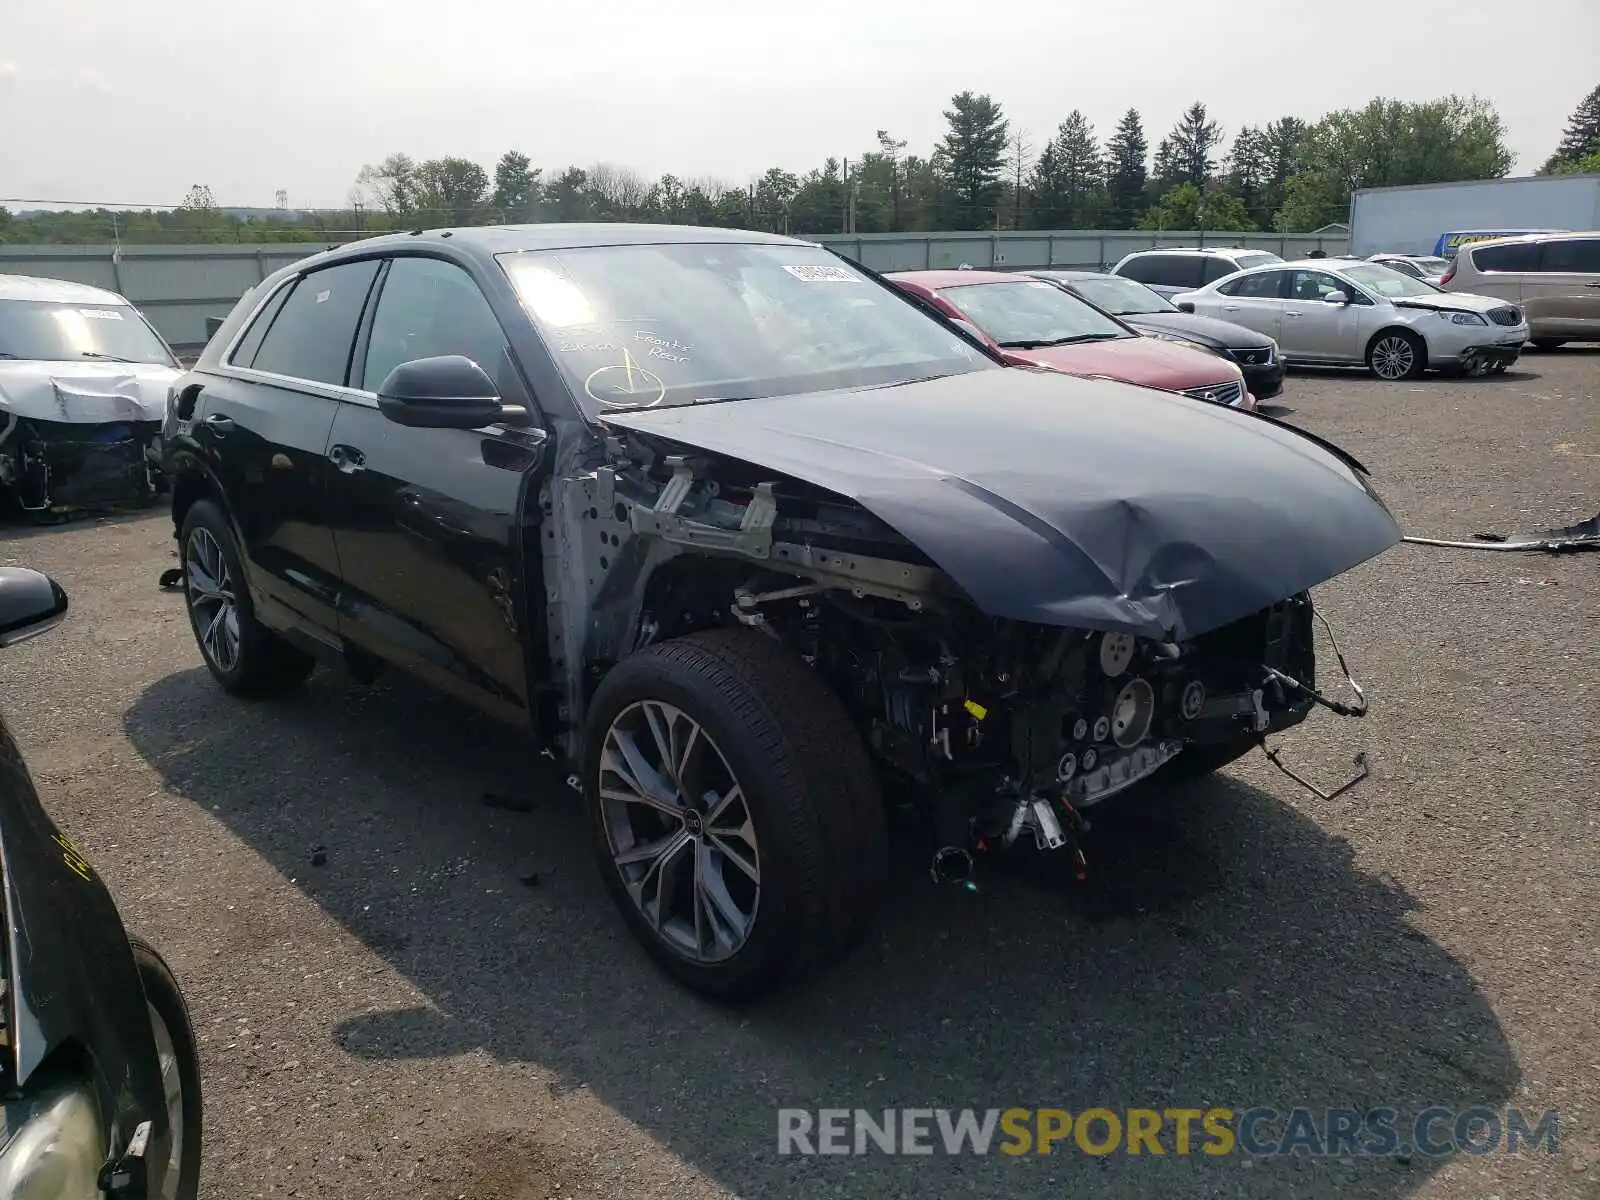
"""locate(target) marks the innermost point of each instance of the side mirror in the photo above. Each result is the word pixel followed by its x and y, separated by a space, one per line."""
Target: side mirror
pixel 1186 306
pixel 30 604
pixel 446 392
pixel 1336 298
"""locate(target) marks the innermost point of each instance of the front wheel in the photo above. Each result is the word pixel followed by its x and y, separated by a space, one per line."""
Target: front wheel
pixel 180 1074
pixel 734 810
pixel 1395 354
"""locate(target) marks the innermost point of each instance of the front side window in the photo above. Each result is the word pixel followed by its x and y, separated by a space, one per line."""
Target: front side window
pixel 1029 314
pixel 49 331
pixel 311 336
pixel 649 326
pixel 1313 285
pixel 429 308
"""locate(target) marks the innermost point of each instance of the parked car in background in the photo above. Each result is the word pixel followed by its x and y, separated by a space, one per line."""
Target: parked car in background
pixel 1555 277
pixel 1033 322
pixel 97 1052
pixel 1323 311
pixel 1153 315
pixel 1427 267
pixel 83 383
pixel 1183 268
pixel 739 533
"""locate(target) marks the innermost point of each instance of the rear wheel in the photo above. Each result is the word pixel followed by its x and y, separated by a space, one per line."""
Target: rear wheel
pixel 1396 354
pixel 735 813
pixel 244 656
pixel 180 1073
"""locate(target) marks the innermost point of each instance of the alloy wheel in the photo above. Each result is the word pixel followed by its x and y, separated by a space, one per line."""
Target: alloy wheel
pixel 679 831
pixel 209 585
pixel 172 1091
pixel 1393 358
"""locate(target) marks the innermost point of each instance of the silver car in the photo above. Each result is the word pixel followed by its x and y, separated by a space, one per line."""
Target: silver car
pixel 1337 313
pixel 1427 267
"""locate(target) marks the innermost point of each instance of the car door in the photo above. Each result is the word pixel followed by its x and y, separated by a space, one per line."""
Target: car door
pixel 262 422
pixel 428 522
pixel 1252 301
pixel 1563 295
pixel 1320 331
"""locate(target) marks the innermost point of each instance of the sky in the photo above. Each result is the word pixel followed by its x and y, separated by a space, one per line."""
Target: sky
pixel 119 103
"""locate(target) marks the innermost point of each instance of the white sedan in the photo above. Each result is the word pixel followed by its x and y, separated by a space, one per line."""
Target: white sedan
pixel 1337 313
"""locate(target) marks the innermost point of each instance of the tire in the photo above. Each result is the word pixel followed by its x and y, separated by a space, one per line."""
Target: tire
pixel 180 1061
pixel 1549 343
pixel 1396 354
pixel 810 800
pixel 259 664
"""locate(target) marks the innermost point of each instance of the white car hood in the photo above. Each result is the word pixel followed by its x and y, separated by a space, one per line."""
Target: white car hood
pixel 1452 302
pixel 94 393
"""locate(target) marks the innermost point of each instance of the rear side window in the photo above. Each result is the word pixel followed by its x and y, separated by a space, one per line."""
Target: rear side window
pixel 311 336
pixel 1509 256
pixel 1263 286
pixel 245 352
pixel 1581 255
pixel 1165 270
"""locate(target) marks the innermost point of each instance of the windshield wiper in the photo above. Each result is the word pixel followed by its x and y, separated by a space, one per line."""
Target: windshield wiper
pixel 1041 343
pixel 111 358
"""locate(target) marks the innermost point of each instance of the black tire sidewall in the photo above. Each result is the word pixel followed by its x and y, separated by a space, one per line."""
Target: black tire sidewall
pixel 778 914
pixel 166 997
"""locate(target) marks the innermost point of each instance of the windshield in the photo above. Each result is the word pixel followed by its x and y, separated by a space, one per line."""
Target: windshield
pixel 1432 266
pixel 653 326
pixel 1387 282
pixel 1124 297
pixel 1029 314
pixel 54 332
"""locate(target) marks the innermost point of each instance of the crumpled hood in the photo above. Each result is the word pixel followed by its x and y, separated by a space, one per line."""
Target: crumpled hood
pixel 1068 501
pixel 92 393
pixel 1202 329
pixel 1142 360
pixel 1454 302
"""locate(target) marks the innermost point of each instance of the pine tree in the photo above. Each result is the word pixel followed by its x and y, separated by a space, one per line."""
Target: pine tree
pixel 1125 170
pixel 1582 135
pixel 974 154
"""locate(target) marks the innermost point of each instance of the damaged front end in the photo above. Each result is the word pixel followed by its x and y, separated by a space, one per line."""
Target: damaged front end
pixel 996 728
pixel 53 467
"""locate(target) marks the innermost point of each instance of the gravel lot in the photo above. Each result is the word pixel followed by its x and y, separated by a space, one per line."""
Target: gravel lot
pixel 449 1007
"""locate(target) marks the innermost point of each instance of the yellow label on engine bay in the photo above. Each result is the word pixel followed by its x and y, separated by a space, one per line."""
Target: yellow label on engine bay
pixel 976 709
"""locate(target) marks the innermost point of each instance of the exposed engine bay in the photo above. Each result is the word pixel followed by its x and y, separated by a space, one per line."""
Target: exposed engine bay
pixel 997 729
pixel 55 466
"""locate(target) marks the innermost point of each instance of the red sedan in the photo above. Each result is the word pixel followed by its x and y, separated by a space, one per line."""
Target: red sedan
pixel 1034 323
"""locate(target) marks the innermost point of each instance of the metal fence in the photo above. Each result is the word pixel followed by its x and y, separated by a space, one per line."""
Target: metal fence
pixel 178 287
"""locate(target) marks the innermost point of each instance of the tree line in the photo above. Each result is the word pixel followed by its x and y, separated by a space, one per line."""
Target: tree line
pixel 1287 175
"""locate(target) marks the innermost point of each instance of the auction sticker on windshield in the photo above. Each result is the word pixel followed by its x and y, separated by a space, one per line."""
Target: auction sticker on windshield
pixel 823 274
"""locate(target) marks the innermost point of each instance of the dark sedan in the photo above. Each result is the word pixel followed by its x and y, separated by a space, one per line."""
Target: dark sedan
pixel 1154 315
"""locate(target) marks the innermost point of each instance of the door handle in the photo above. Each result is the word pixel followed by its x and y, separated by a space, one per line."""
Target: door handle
pixel 1230 308
pixel 1593 285
pixel 1292 314
pixel 347 458
pixel 219 424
